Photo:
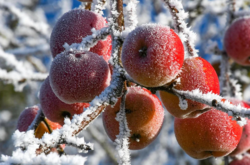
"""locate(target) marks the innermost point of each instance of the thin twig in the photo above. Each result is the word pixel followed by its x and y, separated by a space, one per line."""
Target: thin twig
pixel 178 15
pixel 122 140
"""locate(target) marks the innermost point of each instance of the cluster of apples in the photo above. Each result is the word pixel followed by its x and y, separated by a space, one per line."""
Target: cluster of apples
pixel 153 55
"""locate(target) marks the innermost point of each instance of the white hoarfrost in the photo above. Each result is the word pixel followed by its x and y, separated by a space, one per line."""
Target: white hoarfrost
pixel 20 71
pixel 90 40
pixel 122 140
pixel 215 101
pixel 24 19
pixel 186 35
pixel 29 157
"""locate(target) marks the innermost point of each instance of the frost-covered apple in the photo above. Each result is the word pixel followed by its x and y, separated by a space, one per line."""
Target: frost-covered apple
pixel 144 114
pixel 212 134
pixel 152 55
pixel 75 25
pixel 244 143
pixel 78 76
pixel 237 39
pixel 26 118
pixel 53 108
pixel 196 73
pixel 244 161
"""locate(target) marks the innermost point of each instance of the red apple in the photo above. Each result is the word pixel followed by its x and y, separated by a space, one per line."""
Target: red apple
pixel 26 118
pixel 144 114
pixel 212 134
pixel 244 143
pixel 236 41
pixel 78 76
pixel 152 55
pixel 53 108
pixel 244 161
pixel 75 25
pixel 196 73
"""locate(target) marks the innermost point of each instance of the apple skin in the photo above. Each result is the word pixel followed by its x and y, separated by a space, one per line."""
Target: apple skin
pixel 244 161
pixel 53 108
pixel 144 114
pixel 79 76
pixel 196 73
pixel 75 25
pixel 236 41
pixel 211 134
pixel 152 55
pixel 244 144
pixel 26 117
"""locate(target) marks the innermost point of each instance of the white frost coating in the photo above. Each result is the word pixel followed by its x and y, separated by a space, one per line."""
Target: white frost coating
pixel 122 140
pixel 90 40
pixel 237 88
pixel 98 5
pixel 130 17
pixel 241 75
pixel 22 139
pixel 25 20
pixel 183 103
pixel 25 51
pixel 181 28
pixel 210 98
pixel 20 71
pixel 26 158
pixel 241 122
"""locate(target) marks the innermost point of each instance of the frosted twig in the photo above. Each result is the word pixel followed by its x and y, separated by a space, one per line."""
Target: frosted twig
pixel 215 101
pixel 231 11
pixel 25 51
pixel 242 76
pixel 227 84
pixel 90 40
pixel 98 6
pixel 122 140
pixel 20 73
pixel 76 142
pixel 25 20
pixel 131 18
pixel 16 78
pixel 210 99
pixel 187 36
